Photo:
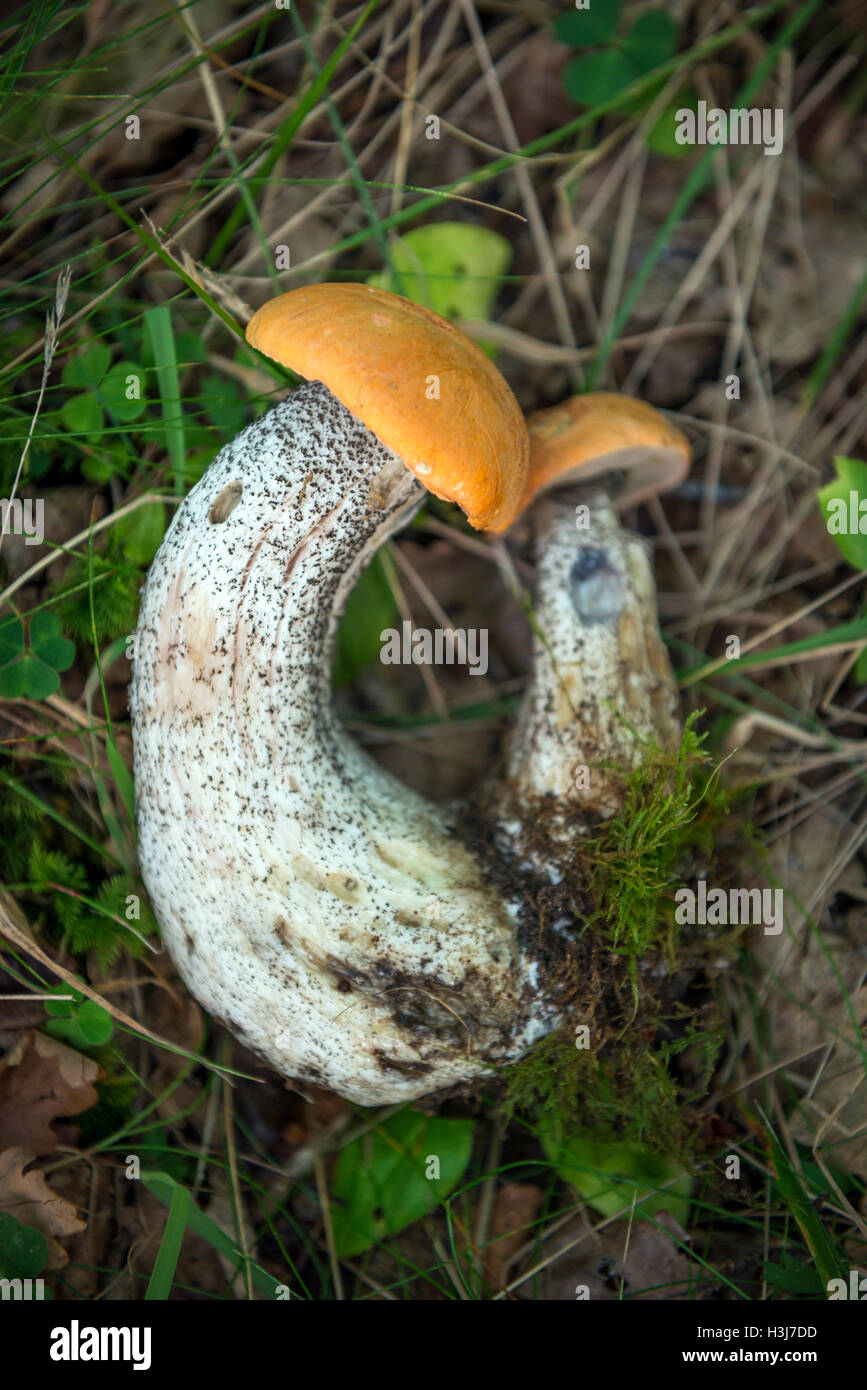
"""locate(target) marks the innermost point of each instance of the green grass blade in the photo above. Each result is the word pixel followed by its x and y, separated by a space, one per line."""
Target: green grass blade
pixel 163 1188
pixel 158 322
pixel 844 635
pixel 160 1283
pixel 825 1257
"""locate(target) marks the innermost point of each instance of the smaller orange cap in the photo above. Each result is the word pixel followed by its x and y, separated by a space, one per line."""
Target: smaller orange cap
pixel 586 436
pixel 423 388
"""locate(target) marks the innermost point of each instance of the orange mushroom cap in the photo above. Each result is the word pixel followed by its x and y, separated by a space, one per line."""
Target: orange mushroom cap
pixel 586 436
pixel 419 384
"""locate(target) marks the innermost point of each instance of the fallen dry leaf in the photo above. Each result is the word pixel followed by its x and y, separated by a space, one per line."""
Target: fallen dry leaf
pixel 40 1080
pixel 654 1266
pixel 514 1213
pixel 28 1198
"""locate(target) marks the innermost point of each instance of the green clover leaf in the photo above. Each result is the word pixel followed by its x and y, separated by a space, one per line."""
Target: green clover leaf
pixel 78 1021
pixel 594 78
pixel 82 415
pixel 33 672
pixel 88 367
pixel 11 639
pixel 601 73
pixel 47 642
pixel 115 391
pixel 651 40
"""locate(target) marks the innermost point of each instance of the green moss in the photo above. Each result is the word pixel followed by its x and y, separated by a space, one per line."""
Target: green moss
pixel 671 805
pixel 621 1084
pixel 626 1091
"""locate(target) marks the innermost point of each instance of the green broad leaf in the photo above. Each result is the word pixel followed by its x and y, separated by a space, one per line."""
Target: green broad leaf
pixel 369 610
pixel 453 268
pixel 610 1174
pixel 380 1181
pixel 87 367
pixel 48 643
pixel 596 23
pixel 844 503
pixel 651 40
pixel 123 391
pixel 39 462
pixel 140 534
pixel 38 680
pixel 83 415
pixel 11 639
pixel 223 404
pixel 23 1249
pixel 594 78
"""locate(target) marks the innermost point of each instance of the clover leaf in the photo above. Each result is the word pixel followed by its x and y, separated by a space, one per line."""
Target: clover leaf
pixel 611 61
pixel 33 672
pixel 78 1021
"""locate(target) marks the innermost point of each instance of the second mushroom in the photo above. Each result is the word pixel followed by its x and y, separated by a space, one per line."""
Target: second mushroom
pixel 293 877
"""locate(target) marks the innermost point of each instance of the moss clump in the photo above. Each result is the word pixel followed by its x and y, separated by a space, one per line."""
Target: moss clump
pixel 627 1093
pixel 625 1085
pixel 671 804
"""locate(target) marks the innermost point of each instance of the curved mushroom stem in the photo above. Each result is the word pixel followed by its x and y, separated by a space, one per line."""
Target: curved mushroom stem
pixel 323 910
pixel 329 915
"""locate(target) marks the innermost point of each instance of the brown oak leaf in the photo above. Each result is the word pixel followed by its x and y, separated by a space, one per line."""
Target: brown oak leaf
pixel 40 1080
pixel 28 1198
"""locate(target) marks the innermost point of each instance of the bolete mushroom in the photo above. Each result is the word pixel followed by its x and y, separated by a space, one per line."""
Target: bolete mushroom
pixel 328 914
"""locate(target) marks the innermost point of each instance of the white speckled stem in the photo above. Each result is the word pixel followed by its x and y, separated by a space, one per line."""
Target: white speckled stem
pixel 325 912
pixel 322 909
